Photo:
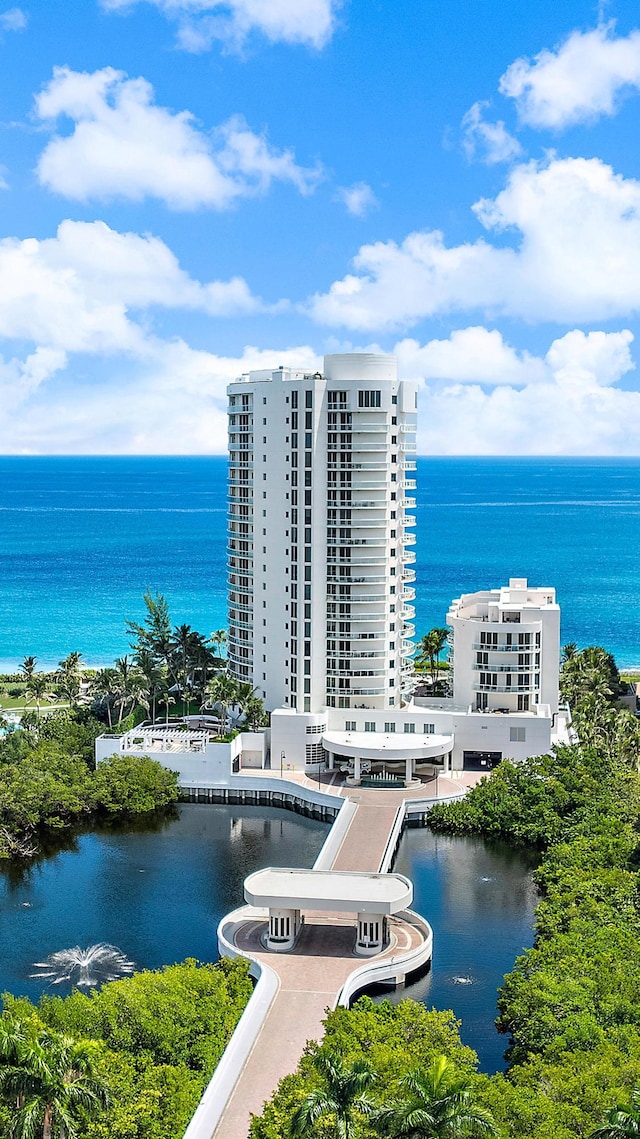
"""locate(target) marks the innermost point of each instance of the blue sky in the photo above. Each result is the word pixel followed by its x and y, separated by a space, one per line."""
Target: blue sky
pixel 195 187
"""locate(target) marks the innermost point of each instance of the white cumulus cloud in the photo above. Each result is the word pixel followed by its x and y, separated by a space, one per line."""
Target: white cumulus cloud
pixel 13 20
pixel 491 142
pixel 580 80
pixel 80 291
pixel 567 405
pixel 175 403
pixel 469 355
pixel 123 145
pixel 576 257
pixel 359 199
pixel 201 22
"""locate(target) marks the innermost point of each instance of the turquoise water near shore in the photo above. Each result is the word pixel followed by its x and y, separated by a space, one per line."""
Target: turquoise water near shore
pixel 81 538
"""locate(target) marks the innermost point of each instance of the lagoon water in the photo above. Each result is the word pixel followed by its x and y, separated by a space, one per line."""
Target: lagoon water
pixel 480 900
pixel 158 893
pixel 82 538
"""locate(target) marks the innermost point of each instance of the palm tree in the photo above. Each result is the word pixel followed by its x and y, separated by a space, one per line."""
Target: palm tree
pixel 219 639
pixel 202 664
pixel 36 690
pixel 622 1122
pixel 342 1096
pixel 52 1080
pixel 183 643
pixel 28 667
pixel 255 713
pixel 167 699
pixel 223 691
pixel 153 675
pixel 569 651
pixel 70 666
pixel 437 1105
pixel 104 687
pixel 430 646
pixel 129 688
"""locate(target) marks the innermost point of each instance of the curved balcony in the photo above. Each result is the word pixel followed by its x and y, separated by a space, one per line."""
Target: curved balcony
pixel 407 576
pixel 506 649
pixel 379 691
pixel 513 689
pixel 408 593
pixel 408 520
pixel 379 465
pixel 370 618
pixel 363 484
pixel 408 612
pixel 409 503
pixel 408 556
pixel 235 587
pixel 358 656
pixel 363 504
pixel 234 534
pixel 356 444
pixel 408 630
pixel 356 674
pixel 240 642
pixel 376 560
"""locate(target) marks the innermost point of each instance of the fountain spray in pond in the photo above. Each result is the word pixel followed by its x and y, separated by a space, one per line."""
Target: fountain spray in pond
pixel 86 967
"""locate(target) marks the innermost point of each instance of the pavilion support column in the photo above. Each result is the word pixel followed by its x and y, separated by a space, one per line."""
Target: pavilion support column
pixel 330 760
pixel 408 770
pixel 356 769
pixel 284 926
pixel 446 763
pixel 371 934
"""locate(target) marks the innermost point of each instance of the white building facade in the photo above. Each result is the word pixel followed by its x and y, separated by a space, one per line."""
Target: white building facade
pixel 321 494
pixel 321 481
pixel 320 557
pixel 506 648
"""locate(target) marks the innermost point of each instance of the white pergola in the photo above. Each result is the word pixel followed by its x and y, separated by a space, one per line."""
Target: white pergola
pixel 286 892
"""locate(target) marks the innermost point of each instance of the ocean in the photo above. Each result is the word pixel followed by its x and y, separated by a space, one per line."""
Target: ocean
pixel 82 538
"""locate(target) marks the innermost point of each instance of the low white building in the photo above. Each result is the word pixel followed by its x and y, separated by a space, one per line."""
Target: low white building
pixel 505 648
pixel 192 749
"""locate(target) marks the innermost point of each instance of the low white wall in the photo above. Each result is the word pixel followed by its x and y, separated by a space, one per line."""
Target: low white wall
pixel 212 767
pixel 394 969
pixel 335 838
pixel 218 1092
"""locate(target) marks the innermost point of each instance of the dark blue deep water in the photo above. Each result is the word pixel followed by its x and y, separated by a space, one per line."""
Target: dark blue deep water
pixel 480 900
pixel 159 892
pixel 82 538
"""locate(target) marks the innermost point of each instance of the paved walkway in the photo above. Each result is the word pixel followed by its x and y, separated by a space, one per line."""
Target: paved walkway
pixel 312 975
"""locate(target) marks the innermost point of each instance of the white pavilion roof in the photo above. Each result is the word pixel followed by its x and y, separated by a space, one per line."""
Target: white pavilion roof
pixel 331 890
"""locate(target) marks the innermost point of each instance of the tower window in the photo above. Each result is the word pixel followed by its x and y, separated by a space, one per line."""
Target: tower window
pixel 368 399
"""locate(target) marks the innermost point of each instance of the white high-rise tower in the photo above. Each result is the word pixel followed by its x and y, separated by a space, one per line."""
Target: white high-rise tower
pixel 321 477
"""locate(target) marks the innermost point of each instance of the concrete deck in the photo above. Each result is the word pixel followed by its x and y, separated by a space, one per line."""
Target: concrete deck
pixel 312 975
